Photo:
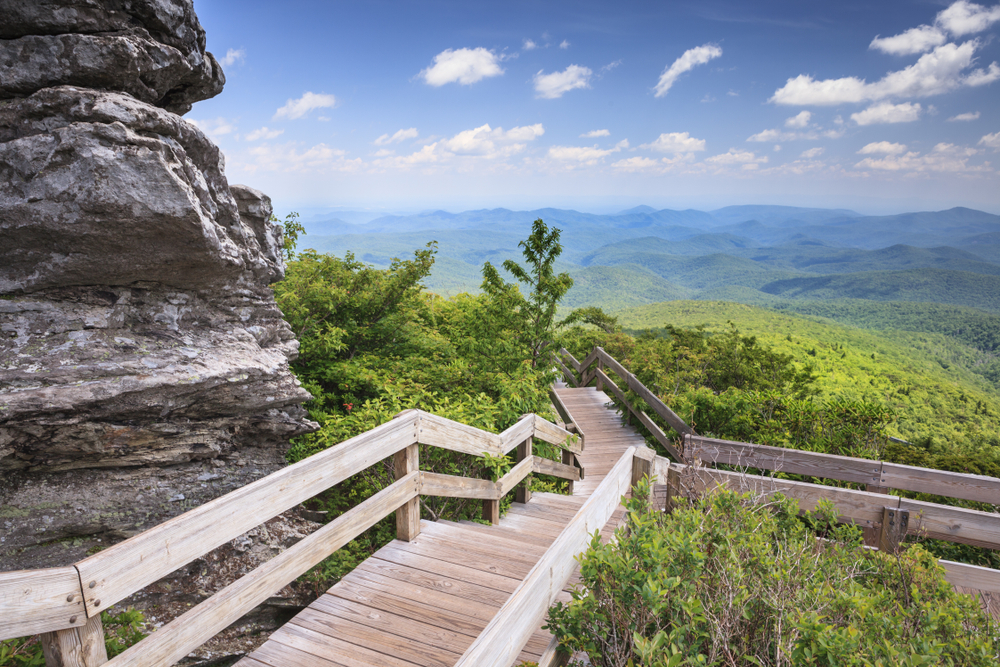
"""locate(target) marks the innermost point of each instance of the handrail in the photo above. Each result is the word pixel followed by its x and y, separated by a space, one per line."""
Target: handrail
pixel 883 474
pixel 57 599
pixel 600 357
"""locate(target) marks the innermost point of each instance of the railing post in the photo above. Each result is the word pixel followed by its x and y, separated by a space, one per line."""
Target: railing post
pixel 894 525
pixel 76 647
pixel 404 462
pixel 873 536
pixel 570 460
pixel 598 366
pixel 522 493
pixel 491 511
pixel 642 466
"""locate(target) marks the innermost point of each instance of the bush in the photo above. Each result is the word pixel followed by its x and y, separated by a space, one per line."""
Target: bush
pixel 734 580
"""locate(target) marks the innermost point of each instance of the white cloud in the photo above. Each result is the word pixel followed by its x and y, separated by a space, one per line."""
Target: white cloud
pixel 298 108
pixel 464 66
pixel 676 142
pixel 593 134
pixel 914 40
pixel 635 164
pixel 942 158
pixel 564 44
pixel 400 135
pixel 777 148
pixel 481 142
pixel 991 141
pixel 882 148
pixel 232 57
pixel 583 154
pixel 937 72
pixel 886 112
pixel 688 61
pixel 555 85
pixel 966 18
pixel 610 66
pixel 736 156
pixel 812 153
pixel 291 158
pixel 800 120
pixel 971 115
pixel 263 133
pixel 214 127
pixel 529 45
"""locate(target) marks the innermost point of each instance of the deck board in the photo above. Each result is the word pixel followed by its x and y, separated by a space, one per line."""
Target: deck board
pixel 423 603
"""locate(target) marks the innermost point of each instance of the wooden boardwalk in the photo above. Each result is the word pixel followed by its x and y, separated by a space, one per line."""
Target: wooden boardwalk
pixel 422 603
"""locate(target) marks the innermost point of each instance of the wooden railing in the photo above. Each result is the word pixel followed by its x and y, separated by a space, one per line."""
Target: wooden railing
pixel 64 604
pixel 600 359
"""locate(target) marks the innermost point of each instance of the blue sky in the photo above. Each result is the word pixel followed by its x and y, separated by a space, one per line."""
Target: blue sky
pixel 881 107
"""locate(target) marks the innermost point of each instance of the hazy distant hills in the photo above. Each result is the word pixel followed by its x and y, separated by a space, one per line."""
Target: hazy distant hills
pixel 751 254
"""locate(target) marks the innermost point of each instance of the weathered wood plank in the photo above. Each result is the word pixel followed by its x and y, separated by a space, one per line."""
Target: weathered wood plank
pixel 942 483
pixel 893 529
pixel 659 406
pixel 792 461
pixel 549 432
pixel 561 470
pixel 185 633
pixel 569 357
pixel 453 486
pixel 971 576
pixel 405 462
pixel 124 568
pixel 613 364
pixel 955 524
pixel 589 360
pixel 567 374
pixel 506 635
pixel 448 434
pixel 519 432
pixel 660 436
pixel 75 647
pixel 37 601
pixel 522 493
pixel 514 476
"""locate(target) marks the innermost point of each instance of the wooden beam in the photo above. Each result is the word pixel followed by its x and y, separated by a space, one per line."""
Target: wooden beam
pixel 456 437
pixel 613 364
pixel 549 432
pixel 75 647
pixel 971 576
pixel 572 360
pixel 570 378
pixel 516 434
pixel 514 476
pixel 406 462
pixel 453 486
pixel 505 636
pixel 642 466
pixel 588 360
pixel 659 407
pixel 120 570
pixel 660 436
pixel 893 530
pixel 187 632
pixel 569 460
pixel 941 482
pixel 523 492
pixel 560 470
pixel 491 511
pixel 955 524
pixel 37 601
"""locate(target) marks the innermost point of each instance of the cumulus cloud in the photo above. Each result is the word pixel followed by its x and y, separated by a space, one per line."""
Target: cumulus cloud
pixel 991 141
pixel 914 40
pixel 463 66
pixel 961 18
pixel 636 164
pixel 483 142
pixel 263 133
pixel 799 120
pixel 557 84
pixel 886 112
pixel 747 160
pixel 400 135
pixel 940 71
pixel 529 45
pixel 564 44
pixel 232 57
pixel 593 134
pixel 291 157
pixel 676 142
pixel 588 155
pixel 294 109
pixel 688 61
pixel 882 148
pixel 971 115
pixel 214 127
pixel 966 18
pixel 812 153
pixel 942 158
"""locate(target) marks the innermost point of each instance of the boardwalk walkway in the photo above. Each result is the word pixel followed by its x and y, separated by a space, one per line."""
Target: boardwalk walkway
pixel 424 602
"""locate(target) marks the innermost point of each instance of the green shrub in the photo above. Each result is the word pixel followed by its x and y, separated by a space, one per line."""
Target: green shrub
pixel 735 580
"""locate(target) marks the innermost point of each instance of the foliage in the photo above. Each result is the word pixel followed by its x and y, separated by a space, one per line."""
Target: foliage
pixel 529 319
pixel 121 630
pixel 291 230
pixel 737 580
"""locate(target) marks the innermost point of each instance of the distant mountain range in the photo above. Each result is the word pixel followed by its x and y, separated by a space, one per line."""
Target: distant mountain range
pixel 752 254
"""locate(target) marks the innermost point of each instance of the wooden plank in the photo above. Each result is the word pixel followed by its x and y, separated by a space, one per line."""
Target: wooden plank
pixel 500 585
pixel 567 374
pixel 942 483
pixel 324 649
pixel 120 570
pixel 491 511
pixel 955 524
pixel 560 470
pixel 569 357
pixel 405 462
pixel 589 360
pixel 37 601
pixel 185 633
pixel 456 437
pixel 642 466
pixel 519 432
pixel 659 407
pixel 893 530
pixel 508 632
pixel 522 493
pixel 75 647
pixel 660 436
pixel 474 611
pixel 514 476
pixel 453 486
pixel 613 364
pixel 971 576
pixel 790 461
pixel 549 432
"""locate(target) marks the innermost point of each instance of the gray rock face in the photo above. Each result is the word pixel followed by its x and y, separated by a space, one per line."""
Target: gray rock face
pixel 143 360
pixel 154 51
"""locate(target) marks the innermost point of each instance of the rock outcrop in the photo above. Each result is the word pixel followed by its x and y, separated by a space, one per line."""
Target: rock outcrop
pixel 143 361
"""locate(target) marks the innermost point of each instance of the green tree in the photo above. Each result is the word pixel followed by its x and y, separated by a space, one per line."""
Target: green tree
pixel 529 319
